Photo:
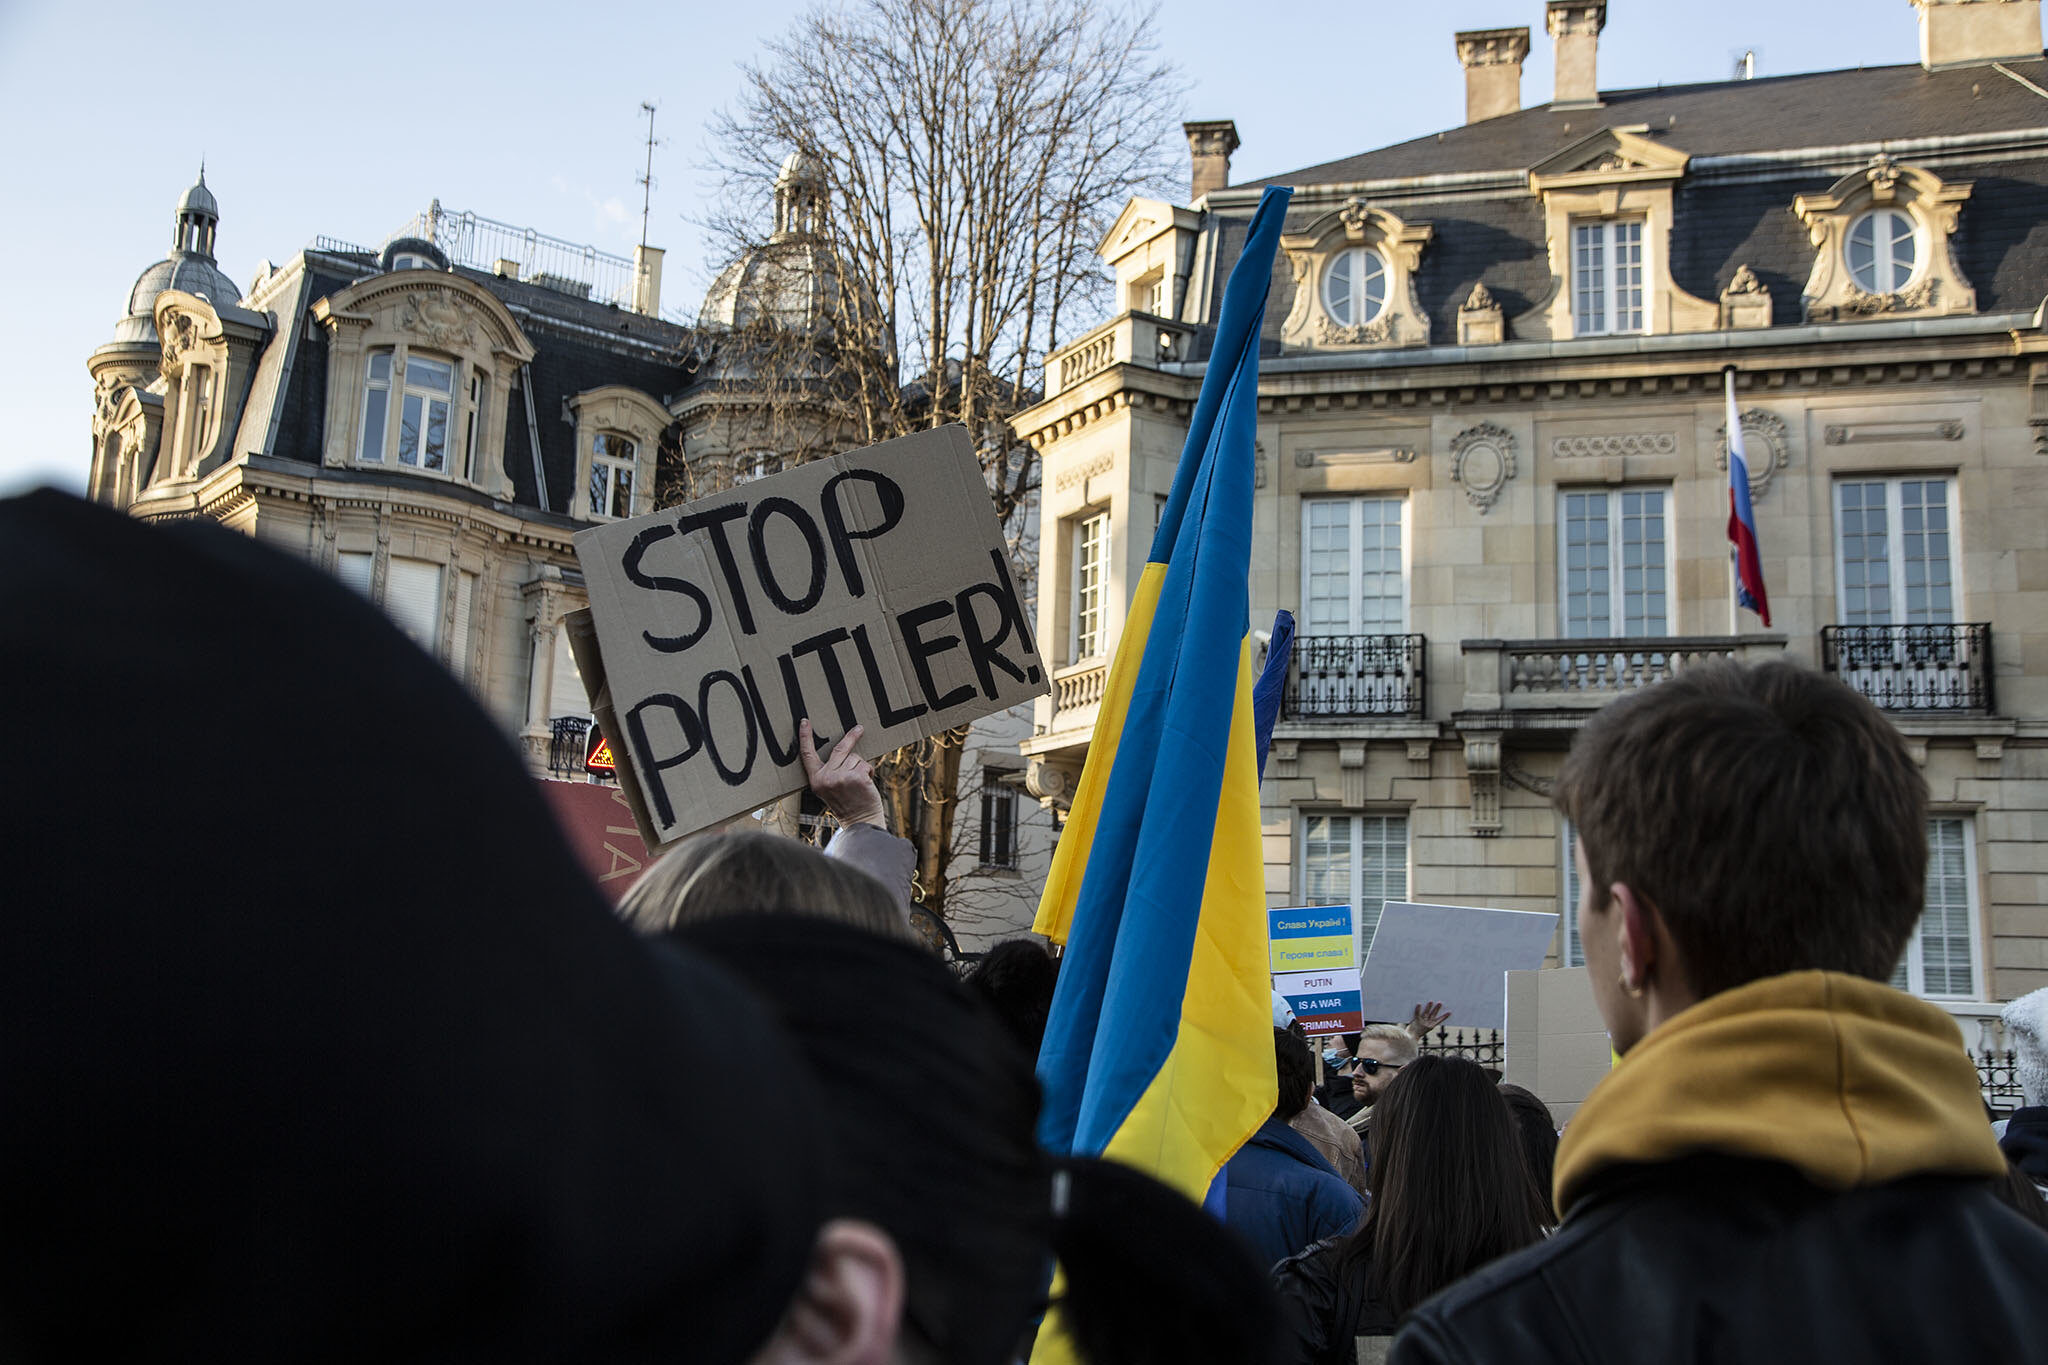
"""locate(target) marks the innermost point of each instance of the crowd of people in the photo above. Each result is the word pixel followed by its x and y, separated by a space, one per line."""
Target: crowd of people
pixel 311 1051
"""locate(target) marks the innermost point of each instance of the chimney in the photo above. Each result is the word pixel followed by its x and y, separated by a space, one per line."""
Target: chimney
pixel 1209 146
pixel 647 280
pixel 1492 58
pixel 1575 29
pixel 1978 32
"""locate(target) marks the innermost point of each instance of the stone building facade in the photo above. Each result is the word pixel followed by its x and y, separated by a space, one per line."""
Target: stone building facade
pixel 1491 460
pixel 433 421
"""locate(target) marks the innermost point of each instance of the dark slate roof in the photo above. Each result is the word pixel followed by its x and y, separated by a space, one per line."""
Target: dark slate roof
pixel 1817 109
pixel 579 345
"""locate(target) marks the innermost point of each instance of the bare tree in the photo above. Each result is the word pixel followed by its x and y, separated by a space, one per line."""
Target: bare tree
pixel 966 157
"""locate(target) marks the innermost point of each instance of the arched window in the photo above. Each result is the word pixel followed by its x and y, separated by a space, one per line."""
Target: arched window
pixel 611 475
pixel 1355 287
pixel 1883 250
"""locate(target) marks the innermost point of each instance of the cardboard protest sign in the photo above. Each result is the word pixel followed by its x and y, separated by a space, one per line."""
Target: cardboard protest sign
pixel 868 589
pixel 1310 938
pixel 1557 1046
pixel 1458 954
pixel 1323 1002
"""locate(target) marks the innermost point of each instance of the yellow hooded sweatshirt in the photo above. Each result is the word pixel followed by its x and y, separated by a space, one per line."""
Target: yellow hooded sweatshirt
pixel 1850 1082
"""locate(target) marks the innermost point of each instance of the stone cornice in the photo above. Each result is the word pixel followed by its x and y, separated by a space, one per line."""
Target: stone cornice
pixel 1995 348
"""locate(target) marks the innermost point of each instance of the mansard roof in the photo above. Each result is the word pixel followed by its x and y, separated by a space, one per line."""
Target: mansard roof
pixel 1724 118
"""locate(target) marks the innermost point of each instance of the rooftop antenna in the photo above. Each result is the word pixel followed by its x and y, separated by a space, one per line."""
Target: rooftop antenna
pixel 1745 66
pixel 646 178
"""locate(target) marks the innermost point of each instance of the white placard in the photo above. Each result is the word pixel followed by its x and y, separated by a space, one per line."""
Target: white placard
pixel 1458 954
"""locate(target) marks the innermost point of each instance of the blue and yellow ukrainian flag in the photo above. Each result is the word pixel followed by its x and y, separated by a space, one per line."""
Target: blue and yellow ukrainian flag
pixel 1159 1051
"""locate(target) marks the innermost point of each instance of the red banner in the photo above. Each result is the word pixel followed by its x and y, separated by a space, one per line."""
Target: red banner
pixel 600 827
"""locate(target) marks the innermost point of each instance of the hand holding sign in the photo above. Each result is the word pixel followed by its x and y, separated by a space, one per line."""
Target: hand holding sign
pixel 845 781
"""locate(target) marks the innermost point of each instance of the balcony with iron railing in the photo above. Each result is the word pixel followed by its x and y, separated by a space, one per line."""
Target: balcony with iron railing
pixel 1511 684
pixel 566 746
pixel 1924 669
pixel 1341 677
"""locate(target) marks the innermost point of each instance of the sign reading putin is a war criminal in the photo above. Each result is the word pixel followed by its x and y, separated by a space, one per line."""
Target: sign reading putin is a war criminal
pixel 870 589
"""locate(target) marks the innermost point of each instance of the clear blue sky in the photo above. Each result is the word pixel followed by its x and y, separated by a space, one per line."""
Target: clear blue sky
pixel 347 122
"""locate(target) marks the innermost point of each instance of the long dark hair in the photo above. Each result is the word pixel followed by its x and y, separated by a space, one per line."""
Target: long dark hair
pixel 1449 1192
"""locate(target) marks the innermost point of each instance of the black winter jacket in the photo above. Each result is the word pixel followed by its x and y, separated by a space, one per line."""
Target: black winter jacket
pixel 1323 1313
pixel 1722 1259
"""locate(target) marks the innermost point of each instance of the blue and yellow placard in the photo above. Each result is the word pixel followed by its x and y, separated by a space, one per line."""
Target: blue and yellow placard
pixel 1311 938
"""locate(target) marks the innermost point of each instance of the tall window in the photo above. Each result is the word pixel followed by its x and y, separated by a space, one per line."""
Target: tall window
pixel 1614 552
pixel 611 476
pixel 1941 957
pixel 424 394
pixel 479 390
pixel 1355 287
pixel 998 821
pixel 1091 583
pixel 1607 277
pixel 1355 860
pixel 1568 840
pixel 1882 249
pixel 1893 551
pixel 376 408
pixel 1354 579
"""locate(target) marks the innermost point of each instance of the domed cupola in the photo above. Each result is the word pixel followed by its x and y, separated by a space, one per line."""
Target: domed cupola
pixel 788 280
pixel 189 267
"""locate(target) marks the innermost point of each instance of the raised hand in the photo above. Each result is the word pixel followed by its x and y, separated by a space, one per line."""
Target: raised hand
pixel 844 780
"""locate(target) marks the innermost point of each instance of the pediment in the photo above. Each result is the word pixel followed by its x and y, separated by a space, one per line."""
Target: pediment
pixel 1141 221
pixel 1610 156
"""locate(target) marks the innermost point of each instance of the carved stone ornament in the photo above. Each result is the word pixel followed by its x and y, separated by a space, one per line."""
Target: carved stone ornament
pixel 1766 446
pixel 443 319
pixel 180 336
pixel 1355 217
pixel 1364 334
pixel 1482 463
pixel 1480 298
pixel 1632 443
pixel 1084 471
pixel 1745 282
pixel 1871 432
pixel 1482 767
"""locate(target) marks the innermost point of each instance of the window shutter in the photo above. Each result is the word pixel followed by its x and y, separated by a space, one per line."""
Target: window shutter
pixel 458 647
pixel 353 568
pixel 412 595
pixel 566 697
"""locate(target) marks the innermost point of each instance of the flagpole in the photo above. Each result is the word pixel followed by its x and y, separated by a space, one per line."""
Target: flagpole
pixel 1728 491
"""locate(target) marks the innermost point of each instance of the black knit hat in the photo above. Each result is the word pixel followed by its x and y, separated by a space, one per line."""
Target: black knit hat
pixel 933 1110
pixel 315 1044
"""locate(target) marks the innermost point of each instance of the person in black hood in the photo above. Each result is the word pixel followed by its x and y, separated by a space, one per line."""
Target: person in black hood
pixel 310 1052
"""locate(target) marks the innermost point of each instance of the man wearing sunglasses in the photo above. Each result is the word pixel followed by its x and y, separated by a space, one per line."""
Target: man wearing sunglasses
pixel 1383 1049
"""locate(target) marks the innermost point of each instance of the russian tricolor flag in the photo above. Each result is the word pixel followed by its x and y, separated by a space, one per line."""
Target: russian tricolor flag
pixel 1749 564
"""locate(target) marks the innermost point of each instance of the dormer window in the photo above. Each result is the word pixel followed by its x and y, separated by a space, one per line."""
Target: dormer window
pixel 611 476
pixel 1355 287
pixel 1883 240
pixel 406 260
pixel 418 430
pixel 1608 270
pixel 1883 250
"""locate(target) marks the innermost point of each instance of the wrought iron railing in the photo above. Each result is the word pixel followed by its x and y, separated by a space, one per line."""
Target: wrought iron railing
pixel 566 735
pixel 1355 675
pixel 564 266
pixel 1998 1077
pixel 1914 668
pixel 1481 1045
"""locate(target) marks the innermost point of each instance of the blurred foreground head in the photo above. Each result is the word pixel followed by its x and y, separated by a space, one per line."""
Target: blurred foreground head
pixel 313 1052
pixel 933 1111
